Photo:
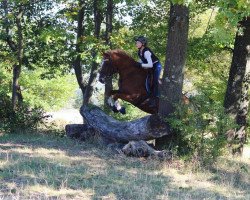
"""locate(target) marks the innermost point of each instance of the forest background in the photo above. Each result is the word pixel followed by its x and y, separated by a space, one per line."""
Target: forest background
pixel 50 55
pixel 43 43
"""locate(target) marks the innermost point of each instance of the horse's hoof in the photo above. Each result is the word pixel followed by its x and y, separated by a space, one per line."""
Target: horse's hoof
pixel 122 110
pixel 114 109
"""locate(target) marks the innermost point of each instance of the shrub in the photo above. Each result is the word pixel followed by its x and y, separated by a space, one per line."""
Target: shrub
pixel 24 118
pixel 200 128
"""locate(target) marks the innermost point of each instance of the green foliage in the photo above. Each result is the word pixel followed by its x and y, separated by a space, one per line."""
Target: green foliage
pixel 233 11
pixel 24 117
pixel 209 56
pixel 124 39
pixel 39 95
pixel 49 45
pixel 49 94
pixel 222 31
pixel 92 50
pixel 200 128
pixel 153 25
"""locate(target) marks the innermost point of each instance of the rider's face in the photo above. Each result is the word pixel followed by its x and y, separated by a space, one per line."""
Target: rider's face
pixel 138 44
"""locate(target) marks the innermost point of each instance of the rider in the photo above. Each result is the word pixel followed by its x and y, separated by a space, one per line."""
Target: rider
pixel 148 60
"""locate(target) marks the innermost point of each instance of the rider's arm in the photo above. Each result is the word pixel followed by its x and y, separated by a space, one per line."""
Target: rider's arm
pixel 147 55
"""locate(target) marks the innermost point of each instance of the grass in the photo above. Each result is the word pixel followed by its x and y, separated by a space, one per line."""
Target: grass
pixel 50 167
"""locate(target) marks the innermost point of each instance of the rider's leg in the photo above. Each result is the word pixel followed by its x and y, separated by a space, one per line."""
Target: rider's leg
pixel 157 72
pixel 155 92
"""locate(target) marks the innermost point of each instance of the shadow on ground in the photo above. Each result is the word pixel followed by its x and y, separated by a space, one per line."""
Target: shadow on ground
pixel 46 167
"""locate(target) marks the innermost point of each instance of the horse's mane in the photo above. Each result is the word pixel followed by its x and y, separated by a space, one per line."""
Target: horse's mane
pixel 122 53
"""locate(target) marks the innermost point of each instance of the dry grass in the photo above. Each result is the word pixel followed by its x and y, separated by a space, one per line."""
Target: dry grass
pixel 48 167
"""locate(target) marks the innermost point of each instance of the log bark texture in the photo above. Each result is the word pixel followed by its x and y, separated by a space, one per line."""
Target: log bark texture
pixel 142 149
pixel 126 137
pixel 76 130
pixel 146 128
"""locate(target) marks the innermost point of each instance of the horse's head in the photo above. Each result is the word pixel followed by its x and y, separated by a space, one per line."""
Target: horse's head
pixel 115 61
pixel 107 68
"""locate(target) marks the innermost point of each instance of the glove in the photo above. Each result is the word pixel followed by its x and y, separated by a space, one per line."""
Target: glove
pixel 138 64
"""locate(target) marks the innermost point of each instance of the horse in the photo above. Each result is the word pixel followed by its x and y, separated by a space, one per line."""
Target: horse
pixel 132 82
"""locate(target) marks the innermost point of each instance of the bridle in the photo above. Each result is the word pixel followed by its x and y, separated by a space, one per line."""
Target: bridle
pixel 110 65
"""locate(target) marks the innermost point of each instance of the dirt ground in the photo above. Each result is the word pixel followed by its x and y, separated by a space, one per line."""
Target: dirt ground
pixel 67 115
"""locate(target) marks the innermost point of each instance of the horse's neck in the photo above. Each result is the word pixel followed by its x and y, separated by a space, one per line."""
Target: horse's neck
pixel 125 68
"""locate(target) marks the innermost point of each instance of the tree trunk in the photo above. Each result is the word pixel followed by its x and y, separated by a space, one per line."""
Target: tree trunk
pixel 16 90
pixel 18 50
pixel 93 73
pixel 171 89
pixel 108 32
pixel 92 77
pixel 77 61
pixel 109 19
pixel 236 101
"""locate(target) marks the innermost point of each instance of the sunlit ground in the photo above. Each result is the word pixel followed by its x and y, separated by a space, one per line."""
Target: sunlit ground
pixel 49 167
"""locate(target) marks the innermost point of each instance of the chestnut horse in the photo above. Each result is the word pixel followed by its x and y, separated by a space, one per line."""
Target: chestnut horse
pixel 132 86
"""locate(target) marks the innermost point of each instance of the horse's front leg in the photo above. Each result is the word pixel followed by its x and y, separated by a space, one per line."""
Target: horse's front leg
pixel 110 98
pixel 114 103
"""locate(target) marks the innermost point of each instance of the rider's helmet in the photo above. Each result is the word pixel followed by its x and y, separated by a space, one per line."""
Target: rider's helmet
pixel 141 39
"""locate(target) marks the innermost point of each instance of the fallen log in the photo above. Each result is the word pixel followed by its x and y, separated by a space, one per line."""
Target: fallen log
pixel 75 130
pixel 79 131
pixel 128 137
pixel 142 149
pixel 146 128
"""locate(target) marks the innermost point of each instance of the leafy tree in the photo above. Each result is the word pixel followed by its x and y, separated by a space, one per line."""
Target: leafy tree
pixel 15 46
pixel 33 39
pixel 98 17
pixel 80 33
pixel 237 95
pixel 236 14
